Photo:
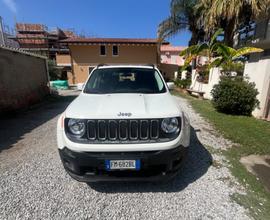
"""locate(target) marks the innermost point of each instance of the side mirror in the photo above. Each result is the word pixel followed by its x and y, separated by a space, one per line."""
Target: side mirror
pixel 170 85
pixel 80 86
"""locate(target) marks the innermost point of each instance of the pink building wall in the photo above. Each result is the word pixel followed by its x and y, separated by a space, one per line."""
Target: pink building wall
pixel 170 55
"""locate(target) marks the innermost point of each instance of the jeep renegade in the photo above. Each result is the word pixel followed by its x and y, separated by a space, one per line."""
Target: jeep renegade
pixel 125 125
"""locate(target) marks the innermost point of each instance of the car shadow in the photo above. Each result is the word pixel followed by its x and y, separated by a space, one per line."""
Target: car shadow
pixel 194 166
pixel 14 125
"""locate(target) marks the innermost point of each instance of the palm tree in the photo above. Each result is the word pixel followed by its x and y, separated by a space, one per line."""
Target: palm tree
pixel 206 49
pixel 230 14
pixel 229 57
pixel 183 16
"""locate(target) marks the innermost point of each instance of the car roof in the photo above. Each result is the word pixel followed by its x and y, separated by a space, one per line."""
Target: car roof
pixel 126 66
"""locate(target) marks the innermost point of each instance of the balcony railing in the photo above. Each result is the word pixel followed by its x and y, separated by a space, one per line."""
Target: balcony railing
pixel 254 33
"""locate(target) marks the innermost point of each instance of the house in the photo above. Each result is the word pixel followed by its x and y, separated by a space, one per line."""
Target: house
pixel 257 68
pixel 170 55
pixel 86 53
pixel 170 60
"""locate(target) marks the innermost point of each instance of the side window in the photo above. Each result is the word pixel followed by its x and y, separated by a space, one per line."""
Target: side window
pixel 102 51
pixel 115 50
pixel 159 81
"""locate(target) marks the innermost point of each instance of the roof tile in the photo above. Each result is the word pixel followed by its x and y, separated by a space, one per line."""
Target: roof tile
pixel 111 40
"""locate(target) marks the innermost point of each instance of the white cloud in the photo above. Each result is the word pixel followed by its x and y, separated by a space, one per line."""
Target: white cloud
pixel 11 5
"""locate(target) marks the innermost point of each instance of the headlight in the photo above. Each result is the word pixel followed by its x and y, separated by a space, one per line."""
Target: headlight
pixel 76 127
pixel 170 125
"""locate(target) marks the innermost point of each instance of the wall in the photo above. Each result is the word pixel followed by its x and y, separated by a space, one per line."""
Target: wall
pixel 23 79
pixel 63 60
pixel 258 71
pixel 214 77
pixel 171 57
pixel 85 56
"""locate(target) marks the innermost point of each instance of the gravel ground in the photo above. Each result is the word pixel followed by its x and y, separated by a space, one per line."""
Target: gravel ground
pixel 34 185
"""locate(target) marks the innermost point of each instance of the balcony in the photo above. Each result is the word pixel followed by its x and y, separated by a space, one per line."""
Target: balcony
pixel 254 34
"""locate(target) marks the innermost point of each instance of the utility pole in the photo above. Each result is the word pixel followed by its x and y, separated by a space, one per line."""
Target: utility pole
pixel 2 36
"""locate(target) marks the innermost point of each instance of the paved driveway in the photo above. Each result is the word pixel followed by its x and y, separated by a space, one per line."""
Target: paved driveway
pixel 34 185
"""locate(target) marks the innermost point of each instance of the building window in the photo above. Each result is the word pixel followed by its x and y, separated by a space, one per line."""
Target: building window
pixel 102 50
pixel 115 50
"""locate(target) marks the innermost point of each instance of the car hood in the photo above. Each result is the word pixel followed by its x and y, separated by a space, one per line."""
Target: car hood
pixel 113 106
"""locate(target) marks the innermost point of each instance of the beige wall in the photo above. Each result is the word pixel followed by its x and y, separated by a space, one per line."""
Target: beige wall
pixel 23 79
pixel 85 56
pixel 63 59
pixel 70 77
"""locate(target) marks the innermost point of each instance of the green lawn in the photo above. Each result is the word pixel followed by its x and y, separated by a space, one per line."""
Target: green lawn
pixel 251 136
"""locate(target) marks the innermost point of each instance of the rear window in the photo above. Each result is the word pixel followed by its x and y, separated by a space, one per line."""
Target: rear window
pixel 124 80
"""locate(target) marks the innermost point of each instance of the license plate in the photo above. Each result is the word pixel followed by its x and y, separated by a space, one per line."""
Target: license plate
pixel 122 164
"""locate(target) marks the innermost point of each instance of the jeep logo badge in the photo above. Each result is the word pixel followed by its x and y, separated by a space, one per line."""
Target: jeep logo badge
pixel 124 114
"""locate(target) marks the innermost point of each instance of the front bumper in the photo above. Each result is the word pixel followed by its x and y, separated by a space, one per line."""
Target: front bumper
pixel 90 166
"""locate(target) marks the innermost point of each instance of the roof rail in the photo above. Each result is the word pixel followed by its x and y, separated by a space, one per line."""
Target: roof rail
pixel 150 64
pixel 102 64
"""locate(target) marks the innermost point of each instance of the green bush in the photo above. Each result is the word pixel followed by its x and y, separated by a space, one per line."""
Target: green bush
pixel 229 67
pixel 235 95
pixel 182 83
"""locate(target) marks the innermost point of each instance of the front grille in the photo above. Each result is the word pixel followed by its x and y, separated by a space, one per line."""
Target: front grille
pixel 123 130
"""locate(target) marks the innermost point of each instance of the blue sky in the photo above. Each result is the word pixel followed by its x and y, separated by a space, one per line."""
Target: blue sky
pixel 97 18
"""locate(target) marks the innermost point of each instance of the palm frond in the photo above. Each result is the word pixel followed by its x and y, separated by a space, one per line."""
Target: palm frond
pixel 191 50
pixel 245 51
pixel 224 50
pixel 216 34
pixel 170 27
pixel 187 61
pixel 216 63
pixel 203 49
pixel 182 15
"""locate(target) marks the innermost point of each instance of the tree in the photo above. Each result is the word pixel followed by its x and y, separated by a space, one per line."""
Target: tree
pixel 217 52
pixel 182 16
pixel 230 14
pixel 228 55
pixel 54 72
pixel 207 49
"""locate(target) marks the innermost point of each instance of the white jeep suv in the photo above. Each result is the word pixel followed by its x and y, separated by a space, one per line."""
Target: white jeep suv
pixel 125 125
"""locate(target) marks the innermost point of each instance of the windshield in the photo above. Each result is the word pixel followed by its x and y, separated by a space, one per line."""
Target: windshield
pixel 124 80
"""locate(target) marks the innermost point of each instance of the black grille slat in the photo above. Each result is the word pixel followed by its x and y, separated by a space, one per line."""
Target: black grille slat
pixel 144 129
pixel 101 130
pixel 112 130
pixel 134 130
pixel 154 129
pixel 123 130
pixel 92 130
